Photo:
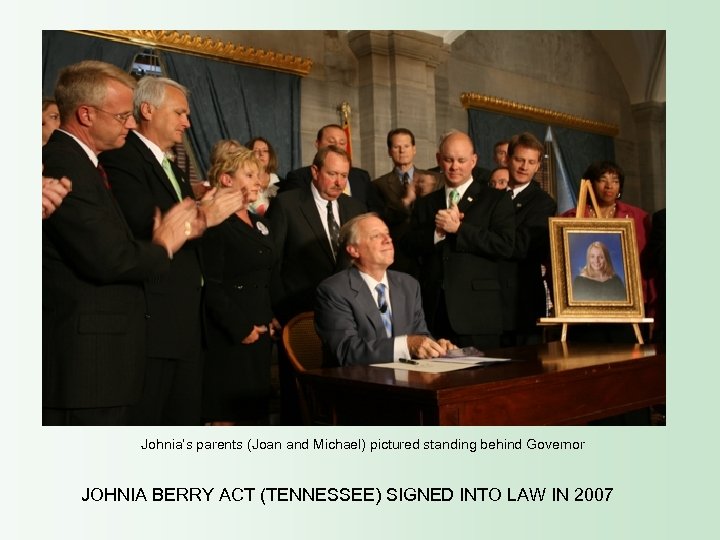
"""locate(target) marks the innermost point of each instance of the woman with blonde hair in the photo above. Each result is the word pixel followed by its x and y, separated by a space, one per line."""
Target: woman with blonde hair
pixel 239 258
pixel 597 280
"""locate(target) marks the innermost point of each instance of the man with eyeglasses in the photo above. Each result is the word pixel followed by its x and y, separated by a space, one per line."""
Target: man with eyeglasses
pixel 93 266
pixel 142 178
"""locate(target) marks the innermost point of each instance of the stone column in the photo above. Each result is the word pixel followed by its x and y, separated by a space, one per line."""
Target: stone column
pixel 396 89
pixel 650 133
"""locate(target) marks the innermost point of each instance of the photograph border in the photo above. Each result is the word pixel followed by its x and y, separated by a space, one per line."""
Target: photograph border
pixel 560 230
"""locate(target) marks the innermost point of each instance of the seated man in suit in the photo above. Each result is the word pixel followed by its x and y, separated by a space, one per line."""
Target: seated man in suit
pixel 398 191
pixel 367 313
pixel 306 225
pixel 359 185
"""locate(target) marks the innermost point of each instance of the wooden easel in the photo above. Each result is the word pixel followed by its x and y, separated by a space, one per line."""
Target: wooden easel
pixel 585 190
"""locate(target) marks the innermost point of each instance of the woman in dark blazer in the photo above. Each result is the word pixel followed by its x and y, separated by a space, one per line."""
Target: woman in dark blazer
pixel 239 261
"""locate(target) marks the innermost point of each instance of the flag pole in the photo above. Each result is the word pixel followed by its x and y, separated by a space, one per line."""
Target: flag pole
pixel 344 110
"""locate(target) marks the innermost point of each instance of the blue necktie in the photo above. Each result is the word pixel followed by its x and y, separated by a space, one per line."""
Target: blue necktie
pixel 385 314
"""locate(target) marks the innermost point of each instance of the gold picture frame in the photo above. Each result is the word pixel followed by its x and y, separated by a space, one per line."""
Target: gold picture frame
pixel 596 269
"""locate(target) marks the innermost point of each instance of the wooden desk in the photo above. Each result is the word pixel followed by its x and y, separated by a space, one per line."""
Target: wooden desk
pixel 550 384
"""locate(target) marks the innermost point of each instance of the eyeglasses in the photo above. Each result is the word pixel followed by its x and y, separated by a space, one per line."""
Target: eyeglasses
pixel 120 117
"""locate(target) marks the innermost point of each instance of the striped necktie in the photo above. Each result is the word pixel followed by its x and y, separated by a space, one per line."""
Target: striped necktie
pixel 453 198
pixel 384 308
pixel 333 229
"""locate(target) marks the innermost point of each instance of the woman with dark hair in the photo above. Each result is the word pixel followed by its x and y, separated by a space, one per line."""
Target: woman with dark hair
pixel 608 180
pixel 50 118
pixel 265 153
pixel 597 280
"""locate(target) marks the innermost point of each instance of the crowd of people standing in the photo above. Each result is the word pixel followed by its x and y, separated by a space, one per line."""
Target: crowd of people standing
pixel 163 309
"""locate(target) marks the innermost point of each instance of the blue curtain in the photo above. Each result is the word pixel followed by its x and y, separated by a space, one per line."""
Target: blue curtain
pixel 578 148
pixel 486 128
pixel 230 101
pixel 60 49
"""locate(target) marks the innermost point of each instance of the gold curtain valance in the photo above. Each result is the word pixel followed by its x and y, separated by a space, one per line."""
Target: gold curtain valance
pixel 205 46
pixel 471 100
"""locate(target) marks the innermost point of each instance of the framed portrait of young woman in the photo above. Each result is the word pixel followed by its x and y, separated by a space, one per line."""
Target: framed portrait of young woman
pixel 595 268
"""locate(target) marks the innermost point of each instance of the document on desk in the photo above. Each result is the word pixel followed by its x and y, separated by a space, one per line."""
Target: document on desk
pixel 441 365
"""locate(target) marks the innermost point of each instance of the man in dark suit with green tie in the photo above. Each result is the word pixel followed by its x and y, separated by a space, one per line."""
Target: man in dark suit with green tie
pixel 143 178
pixel 461 232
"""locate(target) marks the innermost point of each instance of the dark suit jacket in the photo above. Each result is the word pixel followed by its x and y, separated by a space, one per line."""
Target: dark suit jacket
pixel 305 254
pixel 360 186
pixel 140 184
pixel 93 305
pixel 465 265
pixel 397 216
pixel 523 289
pixel 347 319
pixel 240 266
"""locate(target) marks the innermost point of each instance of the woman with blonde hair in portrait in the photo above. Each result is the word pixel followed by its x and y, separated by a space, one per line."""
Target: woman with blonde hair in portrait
pixel 269 180
pixel 239 259
pixel 597 280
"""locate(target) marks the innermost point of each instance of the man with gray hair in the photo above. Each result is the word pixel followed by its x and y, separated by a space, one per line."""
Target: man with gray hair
pixel 143 178
pixel 367 313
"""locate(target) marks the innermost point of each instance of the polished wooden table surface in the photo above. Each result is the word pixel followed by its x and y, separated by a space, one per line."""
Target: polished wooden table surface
pixel 549 384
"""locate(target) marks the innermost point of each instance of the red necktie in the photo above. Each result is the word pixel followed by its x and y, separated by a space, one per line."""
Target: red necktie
pixel 104 176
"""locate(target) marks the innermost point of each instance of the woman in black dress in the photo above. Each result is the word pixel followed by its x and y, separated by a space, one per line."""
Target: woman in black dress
pixel 239 263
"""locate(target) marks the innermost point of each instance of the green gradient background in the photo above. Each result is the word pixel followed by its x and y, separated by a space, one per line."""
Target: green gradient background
pixel 662 477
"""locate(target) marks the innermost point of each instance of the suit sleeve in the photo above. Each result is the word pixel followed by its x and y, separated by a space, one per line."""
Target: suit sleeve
pixel 220 305
pixel 532 238
pixel 278 225
pixel 130 188
pixel 374 202
pixel 497 240
pixel 419 239
pixel 90 234
pixel 419 326
pixel 336 324
pixel 293 180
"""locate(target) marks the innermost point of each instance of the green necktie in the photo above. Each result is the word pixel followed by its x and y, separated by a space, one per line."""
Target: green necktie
pixel 171 176
pixel 453 198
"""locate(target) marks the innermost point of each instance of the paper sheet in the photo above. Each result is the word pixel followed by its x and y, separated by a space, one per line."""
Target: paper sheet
pixel 426 366
pixel 440 365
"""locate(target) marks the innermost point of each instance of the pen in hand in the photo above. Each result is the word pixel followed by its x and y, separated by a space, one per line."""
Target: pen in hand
pixel 406 361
